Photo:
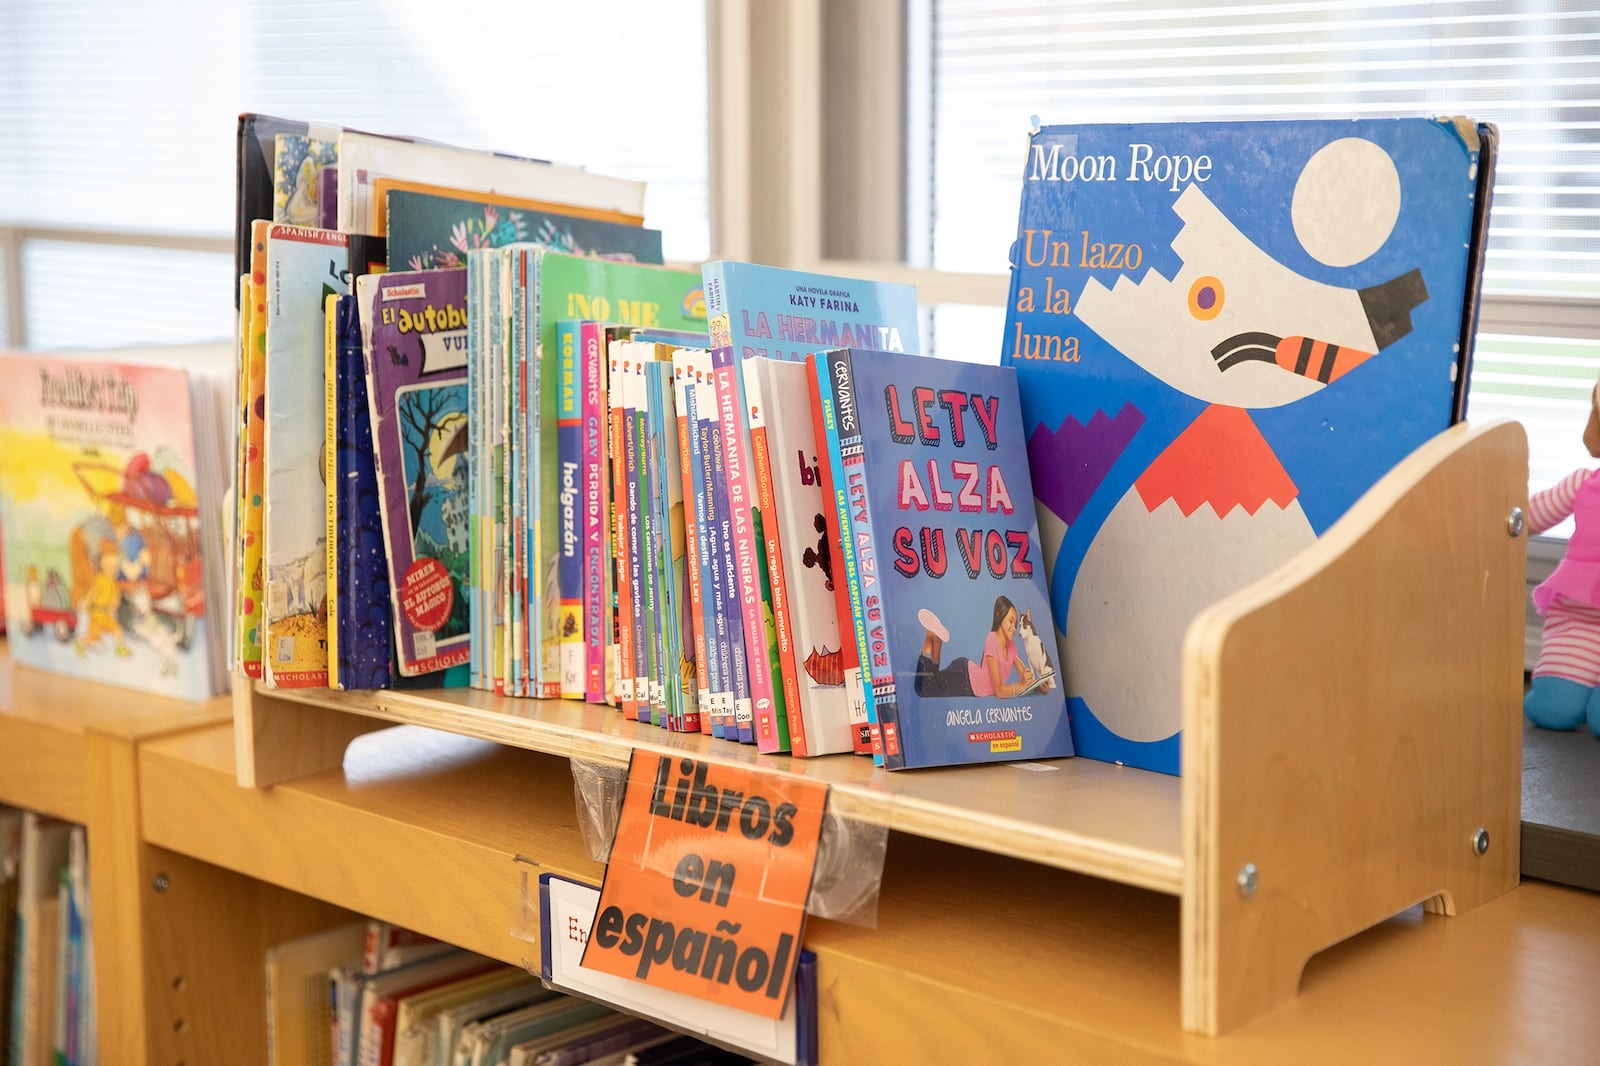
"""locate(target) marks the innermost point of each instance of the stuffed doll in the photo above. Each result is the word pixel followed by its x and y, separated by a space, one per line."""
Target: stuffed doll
pixel 1565 679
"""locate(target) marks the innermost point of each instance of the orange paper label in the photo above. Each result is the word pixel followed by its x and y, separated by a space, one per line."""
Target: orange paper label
pixel 706 889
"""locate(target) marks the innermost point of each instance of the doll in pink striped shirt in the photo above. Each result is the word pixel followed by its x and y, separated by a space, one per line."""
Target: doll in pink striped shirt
pixel 1566 679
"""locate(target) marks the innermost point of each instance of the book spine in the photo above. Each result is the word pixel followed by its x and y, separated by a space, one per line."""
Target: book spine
pixel 634 427
pixel 569 444
pixel 649 529
pixel 330 480
pixel 866 585
pixel 774 583
pixel 531 592
pixel 593 368
pixel 737 717
pixel 365 630
pixel 746 579
pixel 719 664
pixel 251 584
pixel 475 402
pixel 835 513
pixel 546 497
pixel 693 514
pixel 620 364
pixel 500 400
pixel 516 482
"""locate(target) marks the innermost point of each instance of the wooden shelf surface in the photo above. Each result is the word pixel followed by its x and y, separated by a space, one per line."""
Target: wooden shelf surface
pixel 975 957
pixel 1095 818
pixel 44 723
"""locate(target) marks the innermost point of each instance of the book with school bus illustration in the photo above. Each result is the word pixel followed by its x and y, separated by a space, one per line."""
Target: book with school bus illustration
pixel 113 543
pixel 1225 333
pixel 417 392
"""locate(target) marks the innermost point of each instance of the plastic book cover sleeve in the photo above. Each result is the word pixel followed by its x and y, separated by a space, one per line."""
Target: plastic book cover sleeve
pixel 942 517
pixel 1224 334
pixel 416 376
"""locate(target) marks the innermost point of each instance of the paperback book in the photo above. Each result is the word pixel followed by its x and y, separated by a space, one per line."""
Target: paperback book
pixel 111 489
pixel 1225 333
pixel 416 381
pixel 931 486
pixel 757 311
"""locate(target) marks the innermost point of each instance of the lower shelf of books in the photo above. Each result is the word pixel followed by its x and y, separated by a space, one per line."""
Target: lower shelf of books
pixel 975 956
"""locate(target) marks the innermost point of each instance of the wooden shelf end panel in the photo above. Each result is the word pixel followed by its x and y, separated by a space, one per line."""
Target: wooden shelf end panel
pixel 1352 731
pixel 280 739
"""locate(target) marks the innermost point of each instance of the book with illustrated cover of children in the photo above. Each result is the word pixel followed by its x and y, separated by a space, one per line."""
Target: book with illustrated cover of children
pixel 111 480
pixel 941 553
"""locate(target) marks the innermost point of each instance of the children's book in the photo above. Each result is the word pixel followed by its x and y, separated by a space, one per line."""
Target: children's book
pixel 364 158
pixel 575 287
pixel 1224 333
pixel 569 546
pixel 298 1009
pixel 781 314
pixel 298 164
pixel 382 187
pixel 361 629
pixel 809 634
pixel 930 471
pixel 249 581
pixel 112 486
pixel 304 267
pixel 427 230
pixel 416 381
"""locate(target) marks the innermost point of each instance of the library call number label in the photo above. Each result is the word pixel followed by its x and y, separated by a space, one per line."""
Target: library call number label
pixel 705 892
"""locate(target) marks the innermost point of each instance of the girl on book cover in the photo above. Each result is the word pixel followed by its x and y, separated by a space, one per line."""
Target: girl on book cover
pixel 990 676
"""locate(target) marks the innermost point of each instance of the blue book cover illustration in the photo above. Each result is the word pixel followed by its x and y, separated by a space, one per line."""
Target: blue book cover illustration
pixel 931 474
pixel 1224 334
pixel 365 640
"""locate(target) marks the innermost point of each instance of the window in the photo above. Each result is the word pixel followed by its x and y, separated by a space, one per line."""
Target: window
pixel 117 179
pixel 1529 67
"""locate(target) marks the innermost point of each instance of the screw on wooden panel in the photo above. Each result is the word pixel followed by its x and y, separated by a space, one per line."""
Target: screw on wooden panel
pixel 1517 522
pixel 161 883
pixel 1480 840
pixel 1247 880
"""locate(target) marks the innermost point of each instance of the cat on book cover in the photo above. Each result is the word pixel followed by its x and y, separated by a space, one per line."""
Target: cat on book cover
pixel 1236 339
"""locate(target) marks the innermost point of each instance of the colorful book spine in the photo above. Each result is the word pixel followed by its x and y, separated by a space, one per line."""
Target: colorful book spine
pixel 852 495
pixel 774 587
pixel 365 633
pixel 738 716
pixel 303 266
pixel 618 363
pixel 692 487
pixel 592 368
pixel 330 478
pixel 638 459
pixel 746 567
pixel 251 584
pixel 657 618
pixel 569 551
pixel 836 515
pixel 516 479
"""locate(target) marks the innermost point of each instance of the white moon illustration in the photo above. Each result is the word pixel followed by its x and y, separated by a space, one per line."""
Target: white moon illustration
pixel 1346 202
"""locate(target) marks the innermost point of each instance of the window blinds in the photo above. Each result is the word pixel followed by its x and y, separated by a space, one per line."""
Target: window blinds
pixel 1532 68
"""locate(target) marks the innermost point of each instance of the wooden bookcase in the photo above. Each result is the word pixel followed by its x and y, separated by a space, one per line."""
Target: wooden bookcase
pixel 1351 723
pixel 1351 743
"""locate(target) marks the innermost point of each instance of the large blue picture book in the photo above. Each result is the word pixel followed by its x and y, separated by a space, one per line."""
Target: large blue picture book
pixel 1224 333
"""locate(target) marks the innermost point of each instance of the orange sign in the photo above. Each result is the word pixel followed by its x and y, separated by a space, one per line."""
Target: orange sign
pixel 706 889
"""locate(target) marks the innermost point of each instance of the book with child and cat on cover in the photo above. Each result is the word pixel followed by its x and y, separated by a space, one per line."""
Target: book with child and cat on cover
pixel 1225 333
pixel 941 553
pixel 111 476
